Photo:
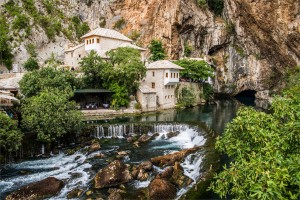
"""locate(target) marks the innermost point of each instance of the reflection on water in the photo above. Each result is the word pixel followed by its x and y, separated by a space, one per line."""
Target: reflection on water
pixel 216 116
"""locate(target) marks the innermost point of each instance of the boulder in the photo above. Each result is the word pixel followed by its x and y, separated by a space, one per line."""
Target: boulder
pixel 167 173
pixel 130 139
pixel 113 174
pixel 178 178
pixel 99 155
pixel 75 193
pixel 115 194
pixel 161 189
pixel 172 134
pixel 94 147
pixel 146 165
pixel 170 159
pixel 39 190
pixel 144 138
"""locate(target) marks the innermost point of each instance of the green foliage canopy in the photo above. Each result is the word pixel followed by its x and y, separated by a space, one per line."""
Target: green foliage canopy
pixel 36 81
pixel 5 48
pixel 125 68
pixel 51 115
pixel 265 151
pixel 195 69
pixel 10 135
pixel 93 66
pixel 31 64
pixel 157 50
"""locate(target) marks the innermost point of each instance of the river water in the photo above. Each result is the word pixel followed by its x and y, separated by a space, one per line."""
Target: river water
pixel 195 127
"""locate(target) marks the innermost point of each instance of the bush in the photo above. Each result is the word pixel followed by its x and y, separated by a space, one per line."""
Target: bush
pixel 12 8
pixel 10 135
pixel 216 6
pixel 201 3
pixel 120 97
pixel 264 150
pixel 5 47
pixel 157 50
pixel 20 22
pixel 31 50
pixel 119 24
pixel 208 91
pixel 31 64
pixel 188 49
pixel 186 97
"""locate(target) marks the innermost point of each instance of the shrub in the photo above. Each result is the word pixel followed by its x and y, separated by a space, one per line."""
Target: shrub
pixel 188 49
pixel 134 35
pixel 208 91
pixel 10 135
pixel 31 50
pixel 120 97
pixel 31 64
pixel 201 3
pixel 12 8
pixel 186 97
pixel 20 22
pixel 230 29
pixel 5 47
pixel 119 24
pixel 216 6
pixel 157 50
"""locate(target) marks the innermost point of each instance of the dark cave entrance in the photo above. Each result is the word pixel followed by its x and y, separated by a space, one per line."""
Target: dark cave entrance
pixel 246 97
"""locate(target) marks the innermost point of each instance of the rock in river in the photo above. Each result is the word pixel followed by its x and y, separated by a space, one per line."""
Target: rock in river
pixel 161 189
pixel 170 159
pixel 113 174
pixel 39 190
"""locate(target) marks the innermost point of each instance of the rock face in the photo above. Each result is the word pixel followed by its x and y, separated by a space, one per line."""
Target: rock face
pixel 39 190
pixel 113 174
pixel 161 189
pixel 170 159
pixel 251 45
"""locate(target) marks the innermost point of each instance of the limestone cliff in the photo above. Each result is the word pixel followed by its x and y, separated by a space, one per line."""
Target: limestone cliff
pixel 252 44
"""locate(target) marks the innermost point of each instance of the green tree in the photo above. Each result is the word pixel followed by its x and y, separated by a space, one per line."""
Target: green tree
pixel 120 97
pixel 125 68
pixel 195 69
pixel 36 81
pixel 31 64
pixel 92 66
pixel 157 50
pixel 265 151
pixel 51 115
pixel 5 48
pixel 10 135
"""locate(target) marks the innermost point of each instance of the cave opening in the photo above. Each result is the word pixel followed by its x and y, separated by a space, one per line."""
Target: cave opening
pixel 246 97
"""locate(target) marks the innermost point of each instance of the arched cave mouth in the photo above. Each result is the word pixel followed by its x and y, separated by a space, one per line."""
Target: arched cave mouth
pixel 246 97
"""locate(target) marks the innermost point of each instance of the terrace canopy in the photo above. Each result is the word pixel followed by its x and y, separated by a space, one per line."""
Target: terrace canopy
pixel 93 98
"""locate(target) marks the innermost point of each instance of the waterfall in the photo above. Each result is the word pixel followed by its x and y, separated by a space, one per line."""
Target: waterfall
pixel 113 131
pixel 159 128
pixel 43 149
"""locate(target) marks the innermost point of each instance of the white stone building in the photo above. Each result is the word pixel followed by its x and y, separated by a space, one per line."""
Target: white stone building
pixel 157 90
pixel 100 40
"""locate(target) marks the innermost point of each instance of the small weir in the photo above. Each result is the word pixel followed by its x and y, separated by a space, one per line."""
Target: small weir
pixel 123 130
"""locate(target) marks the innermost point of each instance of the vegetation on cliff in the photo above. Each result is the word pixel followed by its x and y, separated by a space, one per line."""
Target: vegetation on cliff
pixel 157 51
pixel 264 149
pixel 5 49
